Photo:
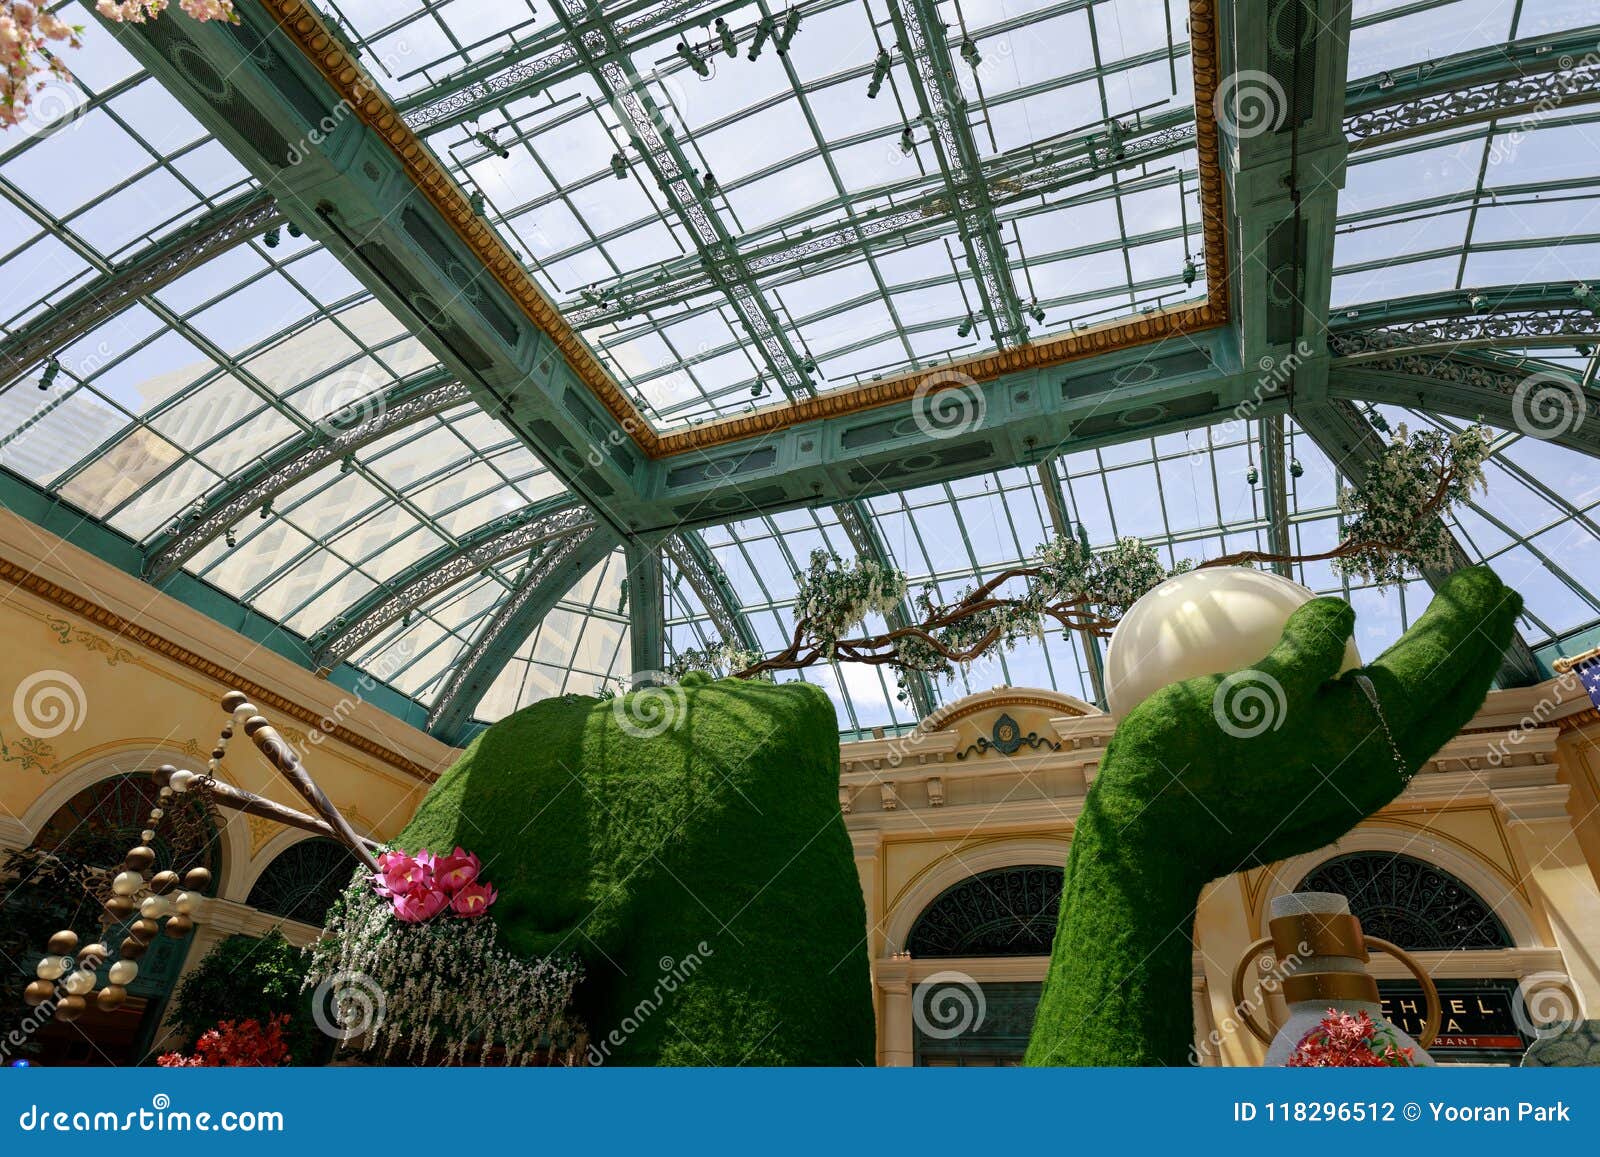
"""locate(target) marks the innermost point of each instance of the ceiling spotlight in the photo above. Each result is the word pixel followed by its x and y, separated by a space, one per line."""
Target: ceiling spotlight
pixel 475 202
pixel 619 166
pixel 295 230
pixel 1385 80
pixel 880 71
pixel 763 30
pixel 266 510
pixel 1035 311
pixel 709 183
pixel 1378 420
pixel 273 236
pixel 729 44
pixel 230 538
pixel 347 463
pixel 405 619
pixel 791 25
pixel 494 146
pixel 692 59
pixel 965 327
pixel 1189 271
pixel 51 369
pixel 1477 301
pixel 970 54
pixel 1583 350
pixel 1252 475
pixel 1295 469
pixel 759 388
pixel 906 141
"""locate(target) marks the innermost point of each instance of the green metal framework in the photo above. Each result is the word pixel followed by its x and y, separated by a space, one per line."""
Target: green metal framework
pixel 343 440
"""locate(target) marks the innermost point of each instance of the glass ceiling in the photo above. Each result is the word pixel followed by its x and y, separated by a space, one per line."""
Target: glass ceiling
pixel 170 397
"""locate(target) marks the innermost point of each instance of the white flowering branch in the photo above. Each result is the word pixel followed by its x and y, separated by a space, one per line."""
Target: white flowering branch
pixel 1393 526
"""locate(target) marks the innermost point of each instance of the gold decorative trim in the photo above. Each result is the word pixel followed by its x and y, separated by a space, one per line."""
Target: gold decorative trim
pixel 304 28
pixel 118 625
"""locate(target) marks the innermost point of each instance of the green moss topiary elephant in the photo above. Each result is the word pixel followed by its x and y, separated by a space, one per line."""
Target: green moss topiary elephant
pixel 1181 799
pixel 686 843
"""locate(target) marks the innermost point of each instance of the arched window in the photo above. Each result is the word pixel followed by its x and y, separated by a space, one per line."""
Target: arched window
pixel 1409 902
pixel 99 824
pixel 1002 912
pixel 304 880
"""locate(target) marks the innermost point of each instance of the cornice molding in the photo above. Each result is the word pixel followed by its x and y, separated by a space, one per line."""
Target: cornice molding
pixel 305 29
pixel 125 628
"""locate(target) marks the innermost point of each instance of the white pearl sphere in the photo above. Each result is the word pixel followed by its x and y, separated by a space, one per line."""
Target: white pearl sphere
pixel 181 780
pixel 123 972
pixel 1204 622
pixel 155 907
pixel 165 793
pixel 52 967
pixel 155 814
pixel 184 903
pixel 147 835
pixel 93 952
pixel 246 710
pixel 127 883
pixel 79 983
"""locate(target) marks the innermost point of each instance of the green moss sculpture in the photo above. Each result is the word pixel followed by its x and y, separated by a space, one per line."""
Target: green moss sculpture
pixel 1181 800
pixel 687 844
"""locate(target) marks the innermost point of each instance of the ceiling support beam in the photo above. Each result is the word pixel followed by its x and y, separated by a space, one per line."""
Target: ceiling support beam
pixel 1055 503
pixel 533 528
pixel 537 591
pixel 1352 445
pixel 1562 313
pixel 646 613
pixel 335 437
pixel 1545 403
pixel 862 532
pixel 157 265
pixel 921 34
pixel 692 559
pixel 1275 487
pixel 687 197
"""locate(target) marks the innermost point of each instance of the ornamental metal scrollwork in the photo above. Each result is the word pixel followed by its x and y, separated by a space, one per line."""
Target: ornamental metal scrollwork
pixel 1410 903
pixel 1523 327
pixel 1002 912
pixel 1007 738
pixel 1568 83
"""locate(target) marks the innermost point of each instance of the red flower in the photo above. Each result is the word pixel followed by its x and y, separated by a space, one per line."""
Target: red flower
pixel 242 1044
pixel 1343 1040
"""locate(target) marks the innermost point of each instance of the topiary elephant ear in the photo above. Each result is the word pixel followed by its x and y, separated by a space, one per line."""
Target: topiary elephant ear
pixel 686 842
pixel 1576 1047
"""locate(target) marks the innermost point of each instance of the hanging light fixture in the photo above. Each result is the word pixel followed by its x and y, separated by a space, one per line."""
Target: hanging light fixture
pixel 295 230
pixel 965 327
pixel 1189 271
pixel 1252 475
pixel 619 166
pixel 273 236
pixel 763 30
pixel 1295 469
pixel 230 538
pixel 692 59
pixel 51 369
pixel 492 145
pixel 709 183
pixel 791 25
pixel 906 141
pixel 1036 311
pixel 266 510
pixel 475 202
pixel 970 53
pixel 880 72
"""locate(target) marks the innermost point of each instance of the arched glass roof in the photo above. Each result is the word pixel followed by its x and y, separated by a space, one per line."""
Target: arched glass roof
pixel 210 354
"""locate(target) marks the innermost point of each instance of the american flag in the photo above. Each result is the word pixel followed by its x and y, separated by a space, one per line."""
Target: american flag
pixel 1589 673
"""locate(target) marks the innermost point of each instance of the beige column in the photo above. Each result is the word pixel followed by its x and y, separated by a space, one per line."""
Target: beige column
pixel 894 1018
pixel 1559 877
pixel 1223 931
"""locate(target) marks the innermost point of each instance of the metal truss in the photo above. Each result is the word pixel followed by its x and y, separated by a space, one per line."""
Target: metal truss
pixel 655 141
pixel 922 38
pixel 886 219
pixel 1061 524
pixel 863 535
pixel 546 579
pixel 1515 316
pixel 1351 444
pixel 528 529
pixel 147 271
pixel 546 59
pixel 1541 77
pixel 695 562
pixel 330 440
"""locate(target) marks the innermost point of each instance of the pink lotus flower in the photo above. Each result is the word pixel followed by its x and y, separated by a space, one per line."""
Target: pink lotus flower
pixel 405 879
pixel 416 907
pixel 456 871
pixel 473 900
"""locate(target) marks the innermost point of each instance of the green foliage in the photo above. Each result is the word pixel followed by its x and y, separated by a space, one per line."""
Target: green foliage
pixel 686 842
pixel 246 976
pixel 1118 991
